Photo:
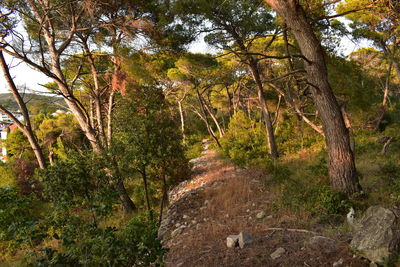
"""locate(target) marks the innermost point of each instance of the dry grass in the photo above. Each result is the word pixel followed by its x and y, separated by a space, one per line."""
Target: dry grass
pixel 225 201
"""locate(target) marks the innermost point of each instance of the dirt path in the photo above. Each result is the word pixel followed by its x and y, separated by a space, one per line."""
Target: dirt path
pixel 220 200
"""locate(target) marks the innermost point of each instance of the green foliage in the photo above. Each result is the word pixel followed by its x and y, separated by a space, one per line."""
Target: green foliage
pixel 306 190
pixel 19 223
pixel 81 201
pixel 7 175
pixel 79 182
pixel 245 141
pixel 194 146
pixel 18 146
pixel 146 137
pixel 135 244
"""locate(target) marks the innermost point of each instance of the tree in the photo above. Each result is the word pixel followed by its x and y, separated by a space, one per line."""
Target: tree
pixel 234 26
pixel 25 126
pixel 342 170
pixel 148 141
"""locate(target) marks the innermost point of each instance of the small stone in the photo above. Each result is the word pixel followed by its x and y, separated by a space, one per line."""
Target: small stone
pixel 277 253
pixel 261 215
pixel 247 210
pixel 227 215
pixel 176 232
pixel 254 204
pixel 245 239
pixel 177 225
pixel 206 202
pixel 250 218
pixel 185 216
pixel 269 217
pixel 338 263
pixel 194 222
pixel 198 227
pixel 232 241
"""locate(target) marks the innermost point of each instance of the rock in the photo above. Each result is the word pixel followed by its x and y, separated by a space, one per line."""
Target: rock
pixel 177 225
pixel 261 215
pixel 194 222
pixel 232 241
pixel 338 263
pixel 277 253
pixel 245 239
pixel 247 210
pixel 269 217
pixel 377 234
pixel 185 216
pixel 177 231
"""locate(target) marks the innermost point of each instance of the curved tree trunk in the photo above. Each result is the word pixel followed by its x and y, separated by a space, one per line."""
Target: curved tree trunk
pixel 342 170
pixel 26 126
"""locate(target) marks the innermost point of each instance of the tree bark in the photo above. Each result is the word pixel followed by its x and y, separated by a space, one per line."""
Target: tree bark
pixel 109 116
pixel 146 192
pixel 182 120
pixel 273 150
pixel 212 115
pixel 342 171
pixel 204 117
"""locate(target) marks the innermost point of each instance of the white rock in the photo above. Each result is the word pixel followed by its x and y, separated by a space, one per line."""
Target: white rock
pixel 245 239
pixel 177 225
pixel 194 222
pixel 261 215
pixel 247 210
pixel 185 216
pixel 277 253
pixel 176 232
pixel 232 241
pixel 338 263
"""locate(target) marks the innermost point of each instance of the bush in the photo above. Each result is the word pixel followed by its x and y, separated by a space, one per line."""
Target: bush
pixel 19 223
pixel 245 141
pixel 136 244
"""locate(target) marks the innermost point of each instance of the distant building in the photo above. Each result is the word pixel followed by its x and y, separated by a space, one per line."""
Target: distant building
pixel 3 135
pixel 5 118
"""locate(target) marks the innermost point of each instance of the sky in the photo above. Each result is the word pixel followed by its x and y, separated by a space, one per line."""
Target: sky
pixel 24 75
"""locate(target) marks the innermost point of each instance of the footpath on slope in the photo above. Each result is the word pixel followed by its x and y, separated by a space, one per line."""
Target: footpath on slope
pixel 220 200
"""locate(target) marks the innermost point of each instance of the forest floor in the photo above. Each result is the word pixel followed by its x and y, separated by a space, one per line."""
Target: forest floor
pixel 221 200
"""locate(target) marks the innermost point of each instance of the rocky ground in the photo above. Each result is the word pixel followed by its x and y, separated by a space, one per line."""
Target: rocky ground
pixel 220 200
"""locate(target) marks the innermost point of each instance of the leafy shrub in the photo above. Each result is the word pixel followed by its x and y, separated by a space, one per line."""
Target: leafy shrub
pixel 19 223
pixel 136 244
pixel 244 141
pixel 79 182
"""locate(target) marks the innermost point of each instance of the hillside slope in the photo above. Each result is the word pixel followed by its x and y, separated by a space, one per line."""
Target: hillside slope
pixel 221 200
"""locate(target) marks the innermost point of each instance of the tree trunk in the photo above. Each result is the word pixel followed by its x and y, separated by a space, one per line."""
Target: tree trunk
pixel 182 120
pixel 342 171
pixel 212 115
pixel 127 204
pixel 204 117
pixel 146 192
pixel 26 128
pixel 109 117
pixel 300 113
pixel 273 151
